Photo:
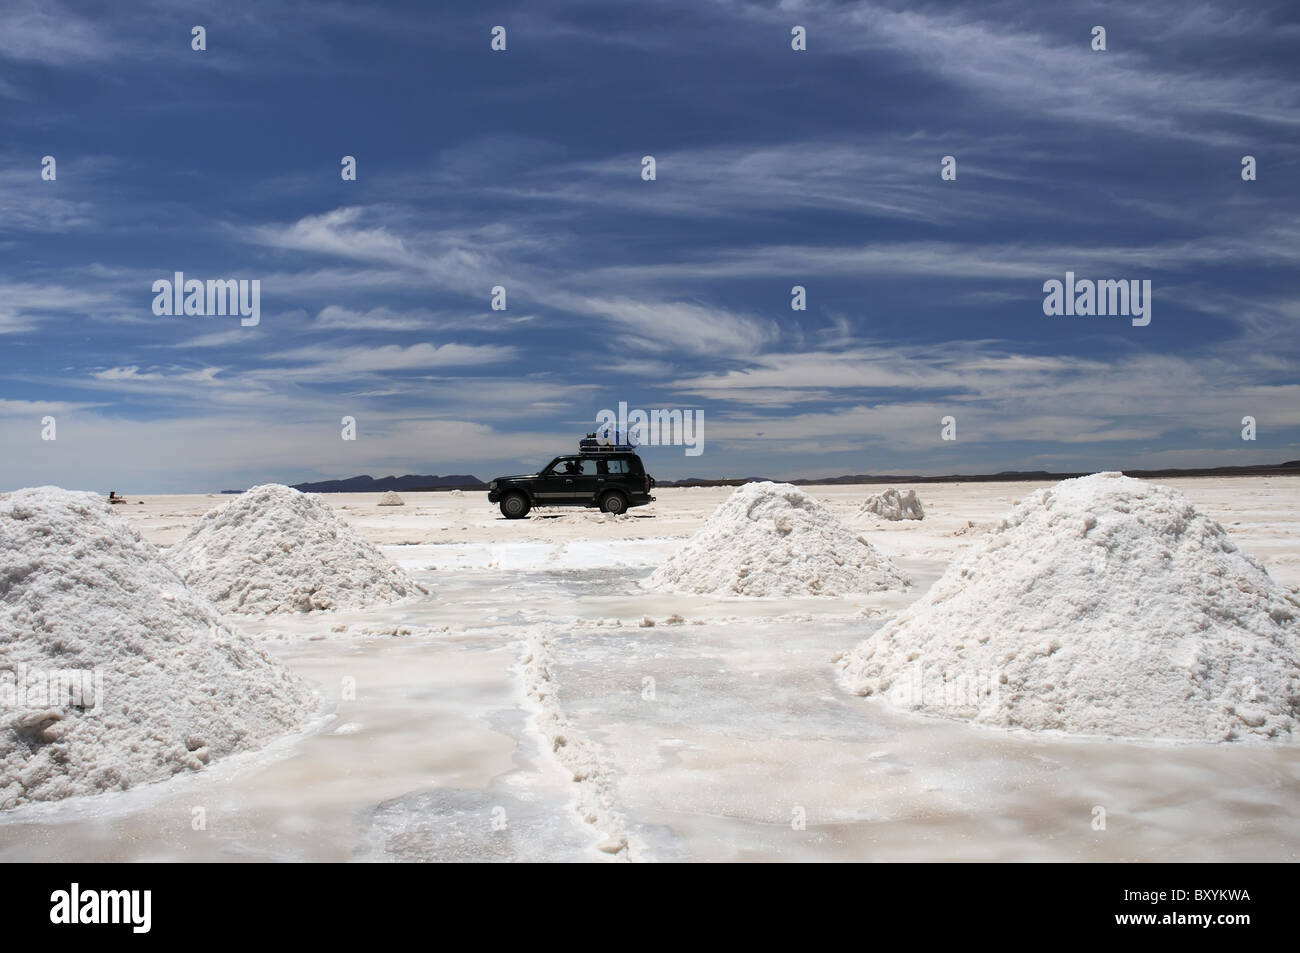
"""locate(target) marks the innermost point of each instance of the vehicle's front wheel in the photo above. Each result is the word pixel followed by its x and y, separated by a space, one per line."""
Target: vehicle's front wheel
pixel 515 506
pixel 613 503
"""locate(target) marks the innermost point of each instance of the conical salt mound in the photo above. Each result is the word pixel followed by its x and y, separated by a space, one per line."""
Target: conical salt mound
pixel 112 672
pixel 390 498
pixel 274 549
pixel 773 539
pixel 1103 605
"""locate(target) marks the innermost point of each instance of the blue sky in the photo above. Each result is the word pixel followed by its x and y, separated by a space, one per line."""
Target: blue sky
pixel 522 168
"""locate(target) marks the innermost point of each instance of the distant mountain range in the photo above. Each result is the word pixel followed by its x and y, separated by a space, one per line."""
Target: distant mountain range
pixel 368 484
pixel 463 481
pixel 1290 468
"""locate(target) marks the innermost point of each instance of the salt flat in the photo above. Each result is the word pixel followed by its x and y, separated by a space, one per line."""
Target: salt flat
pixel 721 730
pixel 1259 511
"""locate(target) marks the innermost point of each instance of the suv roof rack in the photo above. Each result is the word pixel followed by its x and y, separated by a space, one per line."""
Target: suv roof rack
pixel 593 444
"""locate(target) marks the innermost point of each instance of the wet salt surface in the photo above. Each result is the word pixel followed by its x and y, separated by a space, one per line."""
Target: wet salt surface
pixel 746 726
pixel 533 556
pixel 431 716
pixel 512 818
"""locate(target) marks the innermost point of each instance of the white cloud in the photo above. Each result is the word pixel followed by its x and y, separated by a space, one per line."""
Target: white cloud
pixel 174 375
pixel 32 409
pixel 337 233
pixel 47 32
pixel 1053 75
pixel 661 327
pixel 324 362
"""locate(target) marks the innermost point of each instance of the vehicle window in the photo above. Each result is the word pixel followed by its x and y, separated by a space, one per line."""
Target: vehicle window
pixel 616 467
pixel 575 466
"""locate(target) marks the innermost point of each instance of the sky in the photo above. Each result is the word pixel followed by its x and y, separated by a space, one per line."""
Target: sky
pixel 522 168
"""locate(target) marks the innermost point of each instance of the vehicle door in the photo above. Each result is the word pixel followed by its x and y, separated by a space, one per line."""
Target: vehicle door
pixel 615 473
pixel 550 486
pixel 581 485
pixel 568 481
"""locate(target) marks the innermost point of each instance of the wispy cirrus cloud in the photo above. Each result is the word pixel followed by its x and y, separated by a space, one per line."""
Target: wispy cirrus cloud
pixel 770 179
pixel 319 362
pixel 134 373
pixel 1052 73
pixel 47 32
pixel 1269 246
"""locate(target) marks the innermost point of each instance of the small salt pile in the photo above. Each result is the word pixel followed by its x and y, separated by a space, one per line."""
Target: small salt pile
pixel 1103 605
pixel 773 539
pixel 274 549
pixel 893 505
pixel 390 498
pixel 112 671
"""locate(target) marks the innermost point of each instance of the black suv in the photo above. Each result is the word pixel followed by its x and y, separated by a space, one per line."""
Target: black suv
pixel 612 479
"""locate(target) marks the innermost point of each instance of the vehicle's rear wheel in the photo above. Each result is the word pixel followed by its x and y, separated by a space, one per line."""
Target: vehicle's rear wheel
pixel 515 506
pixel 613 503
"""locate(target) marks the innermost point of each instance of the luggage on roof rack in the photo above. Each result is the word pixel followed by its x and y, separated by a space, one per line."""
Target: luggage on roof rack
pixel 603 443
